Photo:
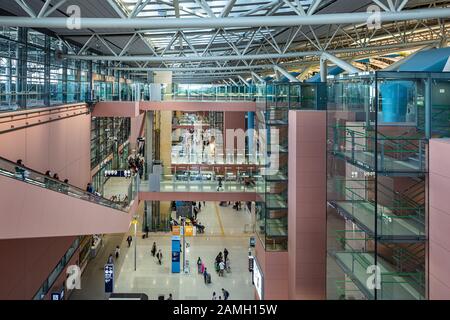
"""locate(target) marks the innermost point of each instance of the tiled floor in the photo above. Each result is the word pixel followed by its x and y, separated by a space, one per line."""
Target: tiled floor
pixel 225 228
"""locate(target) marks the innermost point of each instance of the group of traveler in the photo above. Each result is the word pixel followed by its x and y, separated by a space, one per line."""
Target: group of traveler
pixel 222 263
pixel 136 164
pixel 225 294
pixel 21 172
pixel 56 185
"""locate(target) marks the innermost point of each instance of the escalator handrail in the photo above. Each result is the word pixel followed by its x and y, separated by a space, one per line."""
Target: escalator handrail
pixel 61 187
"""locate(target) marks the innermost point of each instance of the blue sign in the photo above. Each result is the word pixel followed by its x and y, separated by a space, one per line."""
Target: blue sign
pixel 176 248
pixel 109 278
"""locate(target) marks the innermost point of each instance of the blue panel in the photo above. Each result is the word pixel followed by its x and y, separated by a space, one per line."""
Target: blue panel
pixel 433 60
pixel 394 100
pixel 176 245
pixel 176 248
pixel 175 262
pixel 250 126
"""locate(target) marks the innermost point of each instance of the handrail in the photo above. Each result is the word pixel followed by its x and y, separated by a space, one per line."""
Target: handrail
pixel 27 175
pixel 46 285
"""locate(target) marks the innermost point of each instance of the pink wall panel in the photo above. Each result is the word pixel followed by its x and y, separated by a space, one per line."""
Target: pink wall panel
pixel 29 211
pixel 439 220
pixel 235 121
pixel 191 106
pixel 307 205
pixel 61 146
pixel 29 263
pixel 274 267
pixel 116 109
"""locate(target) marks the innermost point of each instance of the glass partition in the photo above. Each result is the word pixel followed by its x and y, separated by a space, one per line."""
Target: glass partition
pixel 379 126
pixel 210 92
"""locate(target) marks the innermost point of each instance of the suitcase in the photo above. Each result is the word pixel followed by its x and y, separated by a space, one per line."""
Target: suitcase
pixel 208 278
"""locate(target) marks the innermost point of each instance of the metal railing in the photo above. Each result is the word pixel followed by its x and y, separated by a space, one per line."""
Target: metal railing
pixel 14 171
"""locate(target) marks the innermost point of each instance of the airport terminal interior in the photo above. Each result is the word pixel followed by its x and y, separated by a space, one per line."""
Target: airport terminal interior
pixel 224 149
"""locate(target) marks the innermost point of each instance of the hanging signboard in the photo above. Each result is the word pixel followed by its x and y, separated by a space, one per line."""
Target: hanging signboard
pixel 109 278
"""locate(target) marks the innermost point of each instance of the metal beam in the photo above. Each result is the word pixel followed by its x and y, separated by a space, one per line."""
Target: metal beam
pixel 297 54
pixel 44 8
pixel 54 7
pixel 402 5
pixel 340 63
pixel 381 5
pixel 290 77
pixel 243 80
pixel 181 8
pixel 266 21
pixel 259 8
pixel 233 82
pixel 116 8
pixel 313 8
pixel 206 8
pixel 26 8
pixel 227 9
pixel 250 67
pixel 258 77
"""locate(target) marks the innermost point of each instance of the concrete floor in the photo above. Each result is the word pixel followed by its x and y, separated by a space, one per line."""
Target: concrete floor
pixel 225 228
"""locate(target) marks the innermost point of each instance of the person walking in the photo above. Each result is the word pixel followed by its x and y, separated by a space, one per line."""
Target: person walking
pixel 110 259
pixel 170 297
pixel 47 179
pixel 117 252
pixel 214 296
pixel 89 188
pixel 226 294
pixel 219 186
pixel 19 169
pixel 159 256
pixel 153 249
pixel 221 268
pixel 205 275
pixel 225 256
pixel 199 265
pixel 129 240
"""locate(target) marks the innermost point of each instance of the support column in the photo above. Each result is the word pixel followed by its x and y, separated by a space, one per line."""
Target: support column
pixel 428 106
pixel 323 69
pixel 438 257
pixel 250 135
pixel 64 78
pixel 90 80
pixel 47 71
pixel 78 96
pixel 149 118
pixel 22 52
pixel 307 234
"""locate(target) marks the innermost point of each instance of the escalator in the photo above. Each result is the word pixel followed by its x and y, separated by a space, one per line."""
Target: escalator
pixel 35 205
